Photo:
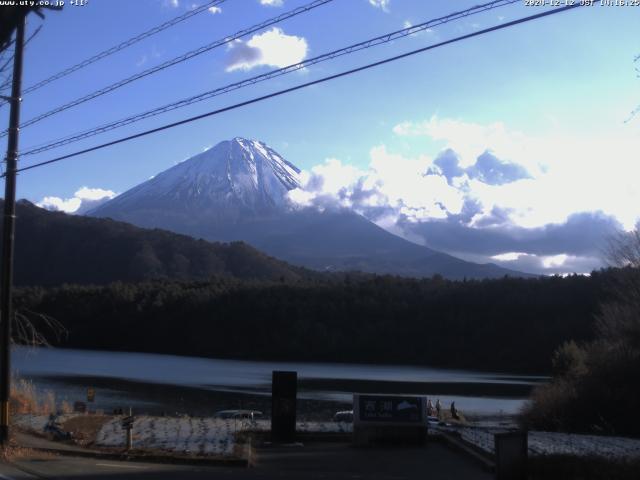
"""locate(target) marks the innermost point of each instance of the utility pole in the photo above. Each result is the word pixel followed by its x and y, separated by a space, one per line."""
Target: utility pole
pixel 9 220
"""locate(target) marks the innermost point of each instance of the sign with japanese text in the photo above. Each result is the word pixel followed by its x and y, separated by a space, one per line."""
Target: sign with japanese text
pixel 389 409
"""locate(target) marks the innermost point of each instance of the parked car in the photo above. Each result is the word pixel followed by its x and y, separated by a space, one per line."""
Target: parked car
pixel 344 416
pixel 239 414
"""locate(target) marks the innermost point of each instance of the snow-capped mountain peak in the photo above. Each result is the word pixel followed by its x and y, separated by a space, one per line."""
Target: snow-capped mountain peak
pixel 245 175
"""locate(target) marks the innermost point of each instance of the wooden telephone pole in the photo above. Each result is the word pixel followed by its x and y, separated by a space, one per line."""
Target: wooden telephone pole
pixel 9 220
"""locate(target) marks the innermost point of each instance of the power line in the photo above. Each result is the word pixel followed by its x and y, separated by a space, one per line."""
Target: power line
pixel 304 85
pixel 182 58
pixel 122 46
pixel 382 39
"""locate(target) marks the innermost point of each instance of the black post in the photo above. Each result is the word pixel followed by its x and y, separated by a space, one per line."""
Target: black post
pixel 284 388
pixel 512 452
pixel 9 220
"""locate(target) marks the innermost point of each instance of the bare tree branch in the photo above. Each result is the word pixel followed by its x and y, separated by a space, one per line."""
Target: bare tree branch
pixel 35 329
pixel 623 249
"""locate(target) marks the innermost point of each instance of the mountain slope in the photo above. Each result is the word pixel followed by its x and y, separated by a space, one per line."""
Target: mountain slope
pixel 231 181
pixel 238 189
pixel 54 248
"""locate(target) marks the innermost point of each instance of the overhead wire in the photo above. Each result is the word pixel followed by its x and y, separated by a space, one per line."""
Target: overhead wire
pixel 368 66
pixel 174 61
pixel 121 46
pixel 379 40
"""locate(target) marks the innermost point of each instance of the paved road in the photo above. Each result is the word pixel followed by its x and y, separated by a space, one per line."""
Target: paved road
pixel 313 461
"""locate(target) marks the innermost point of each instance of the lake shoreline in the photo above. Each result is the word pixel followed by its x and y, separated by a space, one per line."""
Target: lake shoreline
pixel 178 400
pixel 164 384
pixel 529 373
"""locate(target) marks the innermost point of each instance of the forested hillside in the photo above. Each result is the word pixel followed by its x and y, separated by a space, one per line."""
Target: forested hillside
pixel 507 324
pixel 53 248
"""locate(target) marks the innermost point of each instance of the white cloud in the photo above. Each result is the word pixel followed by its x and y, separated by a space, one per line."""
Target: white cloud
pixel 69 205
pixel 403 180
pixel 154 53
pixel 171 3
pixel 561 264
pixel 83 199
pixel 213 10
pixel 547 261
pixel 532 182
pixel 86 193
pixel 543 204
pixel 391 186
pixel 508 256
pixel 323 185
pixel 273 48
pixel 142 60
pixel 272 3
pixel 554 260
pixel 469 140
pixel 568 173
pixel 381 4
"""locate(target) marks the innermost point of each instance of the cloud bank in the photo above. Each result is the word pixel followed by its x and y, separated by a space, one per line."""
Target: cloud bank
pixel 492 195
pixel 381 4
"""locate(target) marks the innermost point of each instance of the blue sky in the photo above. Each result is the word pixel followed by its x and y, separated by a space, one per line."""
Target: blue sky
pixel 522 132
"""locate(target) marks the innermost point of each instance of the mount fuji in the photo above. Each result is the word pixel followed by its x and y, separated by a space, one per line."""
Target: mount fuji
pixel 238 190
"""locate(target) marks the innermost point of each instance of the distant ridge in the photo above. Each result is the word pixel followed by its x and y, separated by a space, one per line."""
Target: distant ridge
pixel 53 248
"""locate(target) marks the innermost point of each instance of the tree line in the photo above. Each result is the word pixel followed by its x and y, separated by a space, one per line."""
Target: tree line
pixel 508 324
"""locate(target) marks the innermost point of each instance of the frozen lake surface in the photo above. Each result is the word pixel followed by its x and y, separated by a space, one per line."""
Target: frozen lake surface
pixel 477 392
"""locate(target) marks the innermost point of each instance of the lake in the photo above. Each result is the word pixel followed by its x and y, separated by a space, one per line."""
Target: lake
pixel 168 383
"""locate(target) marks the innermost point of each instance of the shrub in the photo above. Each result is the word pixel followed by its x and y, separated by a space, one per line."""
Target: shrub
pixel 25 398
pixel 595 387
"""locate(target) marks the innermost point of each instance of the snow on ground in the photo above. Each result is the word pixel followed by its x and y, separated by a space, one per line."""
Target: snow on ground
pixel 546 443
pixel 305 427
pixel 203 436
pixel 553 443
pixel 36 423
pixel 213 436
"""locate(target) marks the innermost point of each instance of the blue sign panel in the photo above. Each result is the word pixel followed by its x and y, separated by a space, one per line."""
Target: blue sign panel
pixel 389 408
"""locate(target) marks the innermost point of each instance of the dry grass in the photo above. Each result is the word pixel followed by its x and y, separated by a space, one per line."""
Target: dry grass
pixel 85 428
pixel 14 452
pixel 445 416
pixel 26 398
